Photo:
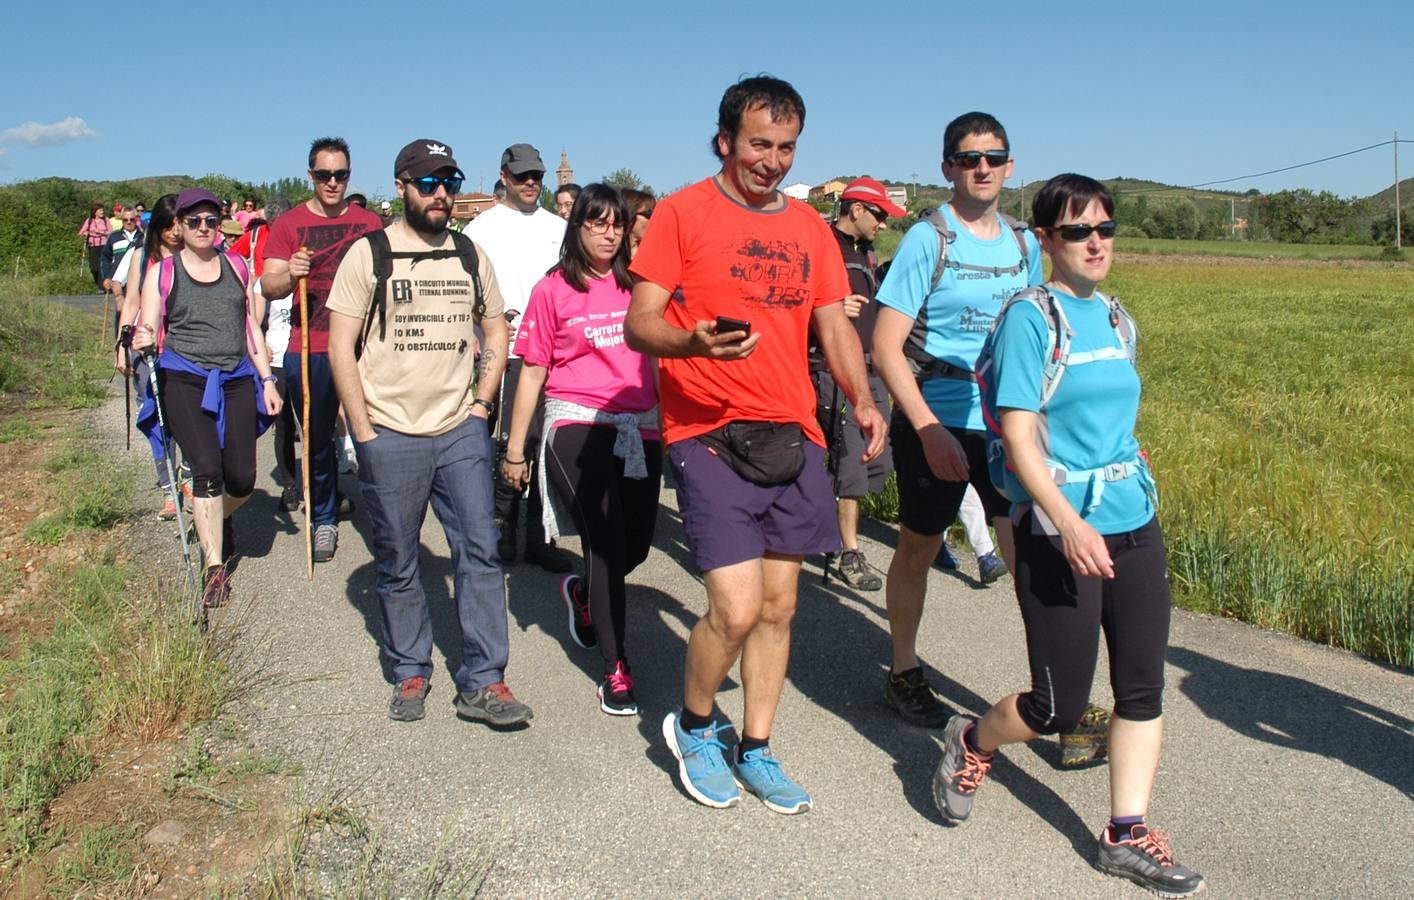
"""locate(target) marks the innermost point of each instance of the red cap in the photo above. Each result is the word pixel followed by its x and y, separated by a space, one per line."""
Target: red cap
pixel 872 192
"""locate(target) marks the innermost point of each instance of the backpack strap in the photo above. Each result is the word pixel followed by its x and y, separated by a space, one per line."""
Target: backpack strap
pixel 382 270
pixel 383 256
pixel 466 250
pixel 946 236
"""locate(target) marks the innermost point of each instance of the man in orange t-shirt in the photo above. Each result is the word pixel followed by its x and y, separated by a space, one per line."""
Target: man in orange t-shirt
pixel 733 247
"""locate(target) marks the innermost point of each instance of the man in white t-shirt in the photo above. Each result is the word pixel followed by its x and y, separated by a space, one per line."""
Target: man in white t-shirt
pixel 523 242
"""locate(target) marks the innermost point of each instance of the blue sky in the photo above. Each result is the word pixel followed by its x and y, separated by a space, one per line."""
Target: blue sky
pixel 1185 93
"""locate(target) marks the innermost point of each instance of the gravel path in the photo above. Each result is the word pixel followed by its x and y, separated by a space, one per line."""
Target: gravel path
pixel 1288 769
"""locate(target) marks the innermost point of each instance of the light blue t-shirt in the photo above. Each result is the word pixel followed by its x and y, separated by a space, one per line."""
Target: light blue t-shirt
pixel 954 319
pixel 1090 418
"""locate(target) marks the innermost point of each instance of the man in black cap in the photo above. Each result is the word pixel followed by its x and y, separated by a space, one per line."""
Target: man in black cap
pixel 418 405
pixel 523 240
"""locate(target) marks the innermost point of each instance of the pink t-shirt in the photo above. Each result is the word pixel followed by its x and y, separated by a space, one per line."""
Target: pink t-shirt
pixel 579 337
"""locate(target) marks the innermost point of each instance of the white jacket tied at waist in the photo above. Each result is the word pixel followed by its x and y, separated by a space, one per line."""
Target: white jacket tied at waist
pixel 628 446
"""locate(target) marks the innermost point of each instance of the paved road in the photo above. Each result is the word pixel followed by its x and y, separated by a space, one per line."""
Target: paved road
pixel 1288 769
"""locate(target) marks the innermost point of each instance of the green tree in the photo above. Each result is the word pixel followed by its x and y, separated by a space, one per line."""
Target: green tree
pixel 1297 216
pixel 627 178
pixel 1172 219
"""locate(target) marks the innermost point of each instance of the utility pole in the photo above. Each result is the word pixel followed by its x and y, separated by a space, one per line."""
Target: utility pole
pixel 1398 222
pixel 915 185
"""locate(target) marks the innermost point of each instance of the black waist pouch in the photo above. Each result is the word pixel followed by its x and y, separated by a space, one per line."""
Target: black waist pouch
pixel 764 453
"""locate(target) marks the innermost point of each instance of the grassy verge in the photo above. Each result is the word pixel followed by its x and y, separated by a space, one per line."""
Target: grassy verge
pixel 49 353
pixel 1259 249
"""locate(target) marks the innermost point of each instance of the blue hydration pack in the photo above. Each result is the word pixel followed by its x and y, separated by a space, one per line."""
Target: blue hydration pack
pixel 1058 358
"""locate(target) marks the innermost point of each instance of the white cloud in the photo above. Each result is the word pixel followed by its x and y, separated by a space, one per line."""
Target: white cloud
pixel 36 135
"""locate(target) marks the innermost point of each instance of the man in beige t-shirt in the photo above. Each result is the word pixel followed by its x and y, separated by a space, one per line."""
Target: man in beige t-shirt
pixel 417 402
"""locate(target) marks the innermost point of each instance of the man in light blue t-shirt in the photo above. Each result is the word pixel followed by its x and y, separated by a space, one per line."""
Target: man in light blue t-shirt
pixel 931 325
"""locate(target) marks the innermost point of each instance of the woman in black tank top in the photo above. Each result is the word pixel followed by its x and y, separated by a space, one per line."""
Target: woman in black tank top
pixel 212 340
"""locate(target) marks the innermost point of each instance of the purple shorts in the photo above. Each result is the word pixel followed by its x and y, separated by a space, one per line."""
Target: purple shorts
pixel 730 520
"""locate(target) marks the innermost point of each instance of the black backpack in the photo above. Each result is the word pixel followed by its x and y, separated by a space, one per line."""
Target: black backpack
pixel 383 256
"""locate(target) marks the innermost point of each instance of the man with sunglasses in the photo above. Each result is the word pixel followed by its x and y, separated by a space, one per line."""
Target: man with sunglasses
pixel 309 241
pixel 418 405
pixel 931 326
pixel 865 207
pixel 120 242
pixel 523 240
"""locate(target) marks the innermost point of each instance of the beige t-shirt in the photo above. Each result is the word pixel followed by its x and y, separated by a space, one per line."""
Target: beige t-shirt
pixel 418 378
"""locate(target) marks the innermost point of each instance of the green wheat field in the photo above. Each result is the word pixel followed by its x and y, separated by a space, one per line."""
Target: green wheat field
pixel 1279 415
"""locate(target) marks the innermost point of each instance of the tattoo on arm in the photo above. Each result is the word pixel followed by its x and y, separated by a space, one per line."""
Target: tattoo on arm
pixel 488 357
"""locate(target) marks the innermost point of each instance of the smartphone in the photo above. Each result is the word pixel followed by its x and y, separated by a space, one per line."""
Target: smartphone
pixel 726 325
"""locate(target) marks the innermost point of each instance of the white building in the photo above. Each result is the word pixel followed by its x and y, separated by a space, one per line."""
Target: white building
pixel 799 191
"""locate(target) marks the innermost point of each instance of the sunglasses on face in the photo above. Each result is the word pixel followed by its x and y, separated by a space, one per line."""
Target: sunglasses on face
pixel 970 159
pixel 877 213
pixel 323 175
pixel 527 176
pixel 428 186
pixel 208 221
pixel 1074 234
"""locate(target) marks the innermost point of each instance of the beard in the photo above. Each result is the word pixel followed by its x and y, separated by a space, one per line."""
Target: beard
pixel 421 221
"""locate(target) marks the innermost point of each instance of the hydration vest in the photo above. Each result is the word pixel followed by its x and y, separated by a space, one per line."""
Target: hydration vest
pixel 1057 359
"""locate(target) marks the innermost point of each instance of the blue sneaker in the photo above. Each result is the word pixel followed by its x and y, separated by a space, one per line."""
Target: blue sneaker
pixel 946 561
pixel 701 765
pixel 760 773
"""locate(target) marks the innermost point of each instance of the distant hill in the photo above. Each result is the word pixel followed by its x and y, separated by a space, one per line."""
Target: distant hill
pixel 1384 200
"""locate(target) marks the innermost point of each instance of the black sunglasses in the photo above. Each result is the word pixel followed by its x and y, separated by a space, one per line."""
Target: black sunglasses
pixel 1074 234
pixel 533 175
pixel 876 212
pixel 970 159
pixel 427 186
pixel 323 175
pixel 210 221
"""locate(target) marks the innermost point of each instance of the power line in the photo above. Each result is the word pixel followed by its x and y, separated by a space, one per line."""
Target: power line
pixel 1205 184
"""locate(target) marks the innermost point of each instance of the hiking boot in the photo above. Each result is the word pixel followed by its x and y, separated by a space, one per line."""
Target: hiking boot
pixel 215 587
pixel 616 692
pixel 228 539
pixel 912 697
pixel 946 561
pixel 1089 740
pixel 290 499
pixel 548 557
pixel 853 569
pixel 326 541
pixel 168 512
pixel 701 766
pixel 581 624
pixel 990 568
pixel 494 705
pixel 760 773
pixel 1145 859
pixel 408 695
pixel 959 773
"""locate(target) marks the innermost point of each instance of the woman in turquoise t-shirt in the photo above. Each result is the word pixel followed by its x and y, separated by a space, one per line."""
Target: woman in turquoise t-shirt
pixel 1089 552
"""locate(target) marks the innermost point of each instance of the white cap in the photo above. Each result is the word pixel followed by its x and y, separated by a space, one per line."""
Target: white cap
pixel 387 205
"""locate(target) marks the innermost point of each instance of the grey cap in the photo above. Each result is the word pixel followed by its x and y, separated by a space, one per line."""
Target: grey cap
pixel 521 158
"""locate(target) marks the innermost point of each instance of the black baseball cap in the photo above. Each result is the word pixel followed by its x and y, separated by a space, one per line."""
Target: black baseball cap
pixel 422 157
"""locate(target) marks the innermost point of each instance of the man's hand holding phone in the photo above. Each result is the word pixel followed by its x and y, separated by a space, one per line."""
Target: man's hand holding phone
pixel 725 339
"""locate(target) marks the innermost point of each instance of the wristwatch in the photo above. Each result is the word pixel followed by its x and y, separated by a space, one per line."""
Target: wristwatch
pixel 490 407
pixel 272 378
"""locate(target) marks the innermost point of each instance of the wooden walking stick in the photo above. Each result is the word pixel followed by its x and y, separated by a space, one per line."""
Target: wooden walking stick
pixel 304 423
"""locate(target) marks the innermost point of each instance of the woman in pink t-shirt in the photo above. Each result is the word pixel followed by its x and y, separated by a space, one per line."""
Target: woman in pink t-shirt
pixel 94 231
pixel 600 448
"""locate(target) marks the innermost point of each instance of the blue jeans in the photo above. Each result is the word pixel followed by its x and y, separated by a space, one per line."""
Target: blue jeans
pixel 319 443
pixel 398 474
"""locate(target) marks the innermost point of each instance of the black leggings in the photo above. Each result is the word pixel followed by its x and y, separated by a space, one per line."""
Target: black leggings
pixel 214 471
pixel 615 516
pixel 1064 613
pixel 286 475
pixel 95 265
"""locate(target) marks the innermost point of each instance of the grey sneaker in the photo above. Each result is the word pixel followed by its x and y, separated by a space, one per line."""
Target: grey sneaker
pixel 853 569
pixel 326 541
pixel 1146 860
pixel 912 697
pixel 494 705
pixel 990 568
pixel 959 773
pixel 409 695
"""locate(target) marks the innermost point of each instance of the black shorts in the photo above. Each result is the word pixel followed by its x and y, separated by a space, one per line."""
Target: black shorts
pixel 845 442
pixel 927 505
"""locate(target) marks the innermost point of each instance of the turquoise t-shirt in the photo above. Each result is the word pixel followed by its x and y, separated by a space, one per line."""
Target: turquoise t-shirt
pixel 954 319
pixel 1090 418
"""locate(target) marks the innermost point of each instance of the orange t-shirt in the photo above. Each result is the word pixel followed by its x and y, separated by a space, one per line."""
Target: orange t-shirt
pixel 772 269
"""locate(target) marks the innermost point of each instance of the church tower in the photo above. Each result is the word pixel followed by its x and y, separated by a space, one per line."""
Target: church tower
pixel 564 174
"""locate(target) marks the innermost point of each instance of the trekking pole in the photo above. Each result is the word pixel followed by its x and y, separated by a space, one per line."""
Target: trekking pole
pixel 151 358
pixel 304 423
